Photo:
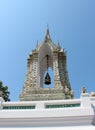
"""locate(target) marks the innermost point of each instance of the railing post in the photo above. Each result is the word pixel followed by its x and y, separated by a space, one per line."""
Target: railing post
pixel 1 100
pixel 85 100
pixel 40 105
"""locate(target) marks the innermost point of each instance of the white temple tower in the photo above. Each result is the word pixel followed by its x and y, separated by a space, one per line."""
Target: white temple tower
pixel 37 65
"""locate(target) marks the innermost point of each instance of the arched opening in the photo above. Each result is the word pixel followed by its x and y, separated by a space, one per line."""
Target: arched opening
pixel 45 50
pixel 51 74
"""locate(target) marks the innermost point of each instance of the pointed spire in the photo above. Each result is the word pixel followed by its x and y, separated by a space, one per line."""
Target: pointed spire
pixel 47 33
pixel 59 44
pixel 37 45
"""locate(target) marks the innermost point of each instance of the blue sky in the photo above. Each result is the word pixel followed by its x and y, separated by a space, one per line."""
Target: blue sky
pixel 23 22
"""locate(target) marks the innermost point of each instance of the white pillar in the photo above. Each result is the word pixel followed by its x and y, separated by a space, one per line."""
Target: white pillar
pixel 40 105
pixel 85 100
pixel 1 100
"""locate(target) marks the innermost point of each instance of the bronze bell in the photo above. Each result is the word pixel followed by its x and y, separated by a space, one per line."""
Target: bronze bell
pixel 47 79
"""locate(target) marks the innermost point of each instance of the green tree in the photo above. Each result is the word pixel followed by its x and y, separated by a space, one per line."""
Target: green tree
pixel 4 93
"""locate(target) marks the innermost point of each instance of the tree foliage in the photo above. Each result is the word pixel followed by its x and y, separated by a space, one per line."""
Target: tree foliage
pixel 4 93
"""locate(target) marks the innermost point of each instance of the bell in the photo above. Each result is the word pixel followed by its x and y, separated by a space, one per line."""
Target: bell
pixel 47 79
